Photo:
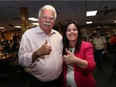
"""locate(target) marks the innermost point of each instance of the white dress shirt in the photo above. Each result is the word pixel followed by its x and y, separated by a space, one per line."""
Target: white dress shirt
pixel 47 67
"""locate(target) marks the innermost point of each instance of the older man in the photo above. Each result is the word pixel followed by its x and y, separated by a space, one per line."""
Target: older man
pixel 40 50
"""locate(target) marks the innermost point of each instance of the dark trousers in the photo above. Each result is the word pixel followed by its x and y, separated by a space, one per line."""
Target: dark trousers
pixel 99 57
pixel 36 83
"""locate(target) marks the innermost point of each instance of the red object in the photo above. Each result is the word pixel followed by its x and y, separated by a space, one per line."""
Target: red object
pixel 83 77
pixel 113 39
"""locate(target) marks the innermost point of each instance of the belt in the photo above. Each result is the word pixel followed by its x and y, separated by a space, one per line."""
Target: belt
pixel 37 83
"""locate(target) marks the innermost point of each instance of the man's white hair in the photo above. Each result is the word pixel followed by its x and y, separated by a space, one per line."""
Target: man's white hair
pixel 48 7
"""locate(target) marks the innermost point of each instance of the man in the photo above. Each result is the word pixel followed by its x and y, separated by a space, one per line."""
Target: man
pixel 100 44
pixel 40 50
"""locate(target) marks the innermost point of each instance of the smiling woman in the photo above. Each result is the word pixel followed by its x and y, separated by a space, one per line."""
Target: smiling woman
pixel 78 64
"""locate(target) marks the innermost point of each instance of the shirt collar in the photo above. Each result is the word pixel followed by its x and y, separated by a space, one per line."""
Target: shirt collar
pixel 40 31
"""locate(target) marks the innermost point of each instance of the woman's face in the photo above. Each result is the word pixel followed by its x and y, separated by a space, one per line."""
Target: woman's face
pixel 72 32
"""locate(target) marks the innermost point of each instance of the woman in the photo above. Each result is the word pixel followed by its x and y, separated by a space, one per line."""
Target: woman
pixel 78 59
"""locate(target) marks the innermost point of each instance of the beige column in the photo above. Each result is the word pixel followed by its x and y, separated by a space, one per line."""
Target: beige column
pixel 24 18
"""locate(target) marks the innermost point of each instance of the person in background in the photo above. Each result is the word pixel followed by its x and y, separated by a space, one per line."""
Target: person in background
pixel 78 59
pixel 112 39
pixel 1 48
pixel 100 44
pixel 7 48
pixel 112 42
pixel 91 39
pixel 40 51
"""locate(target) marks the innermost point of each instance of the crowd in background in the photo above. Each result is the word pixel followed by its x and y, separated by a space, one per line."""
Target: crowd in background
pixel 10 46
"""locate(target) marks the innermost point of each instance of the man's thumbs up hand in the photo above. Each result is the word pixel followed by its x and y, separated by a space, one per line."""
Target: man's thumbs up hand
pixel 45 49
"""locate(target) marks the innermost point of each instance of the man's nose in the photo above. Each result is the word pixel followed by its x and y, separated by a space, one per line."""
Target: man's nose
pixel 48 19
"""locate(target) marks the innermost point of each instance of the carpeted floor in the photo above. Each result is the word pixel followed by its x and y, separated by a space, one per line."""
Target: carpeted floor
pixel 103 76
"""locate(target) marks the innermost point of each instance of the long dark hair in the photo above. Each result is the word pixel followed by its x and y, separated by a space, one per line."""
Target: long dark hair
pixel 66 41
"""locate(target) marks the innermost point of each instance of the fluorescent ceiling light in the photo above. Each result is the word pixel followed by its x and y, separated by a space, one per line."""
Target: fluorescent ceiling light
pixel 89 22
pixel 91 13
pixel 17 27
pixel 32 19
pixel 115 21
pixel 1 27
pixel 35 23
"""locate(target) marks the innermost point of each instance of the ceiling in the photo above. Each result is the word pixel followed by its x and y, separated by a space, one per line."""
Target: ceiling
pixel 67 10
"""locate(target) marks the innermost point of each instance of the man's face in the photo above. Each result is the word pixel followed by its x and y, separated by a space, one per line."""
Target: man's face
pixel 46 20
pixel 98 34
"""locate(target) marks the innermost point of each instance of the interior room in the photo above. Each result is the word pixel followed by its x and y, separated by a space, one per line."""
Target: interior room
pixel 15 19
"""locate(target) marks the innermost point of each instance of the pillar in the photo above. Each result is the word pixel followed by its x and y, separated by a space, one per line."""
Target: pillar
pixel 24 18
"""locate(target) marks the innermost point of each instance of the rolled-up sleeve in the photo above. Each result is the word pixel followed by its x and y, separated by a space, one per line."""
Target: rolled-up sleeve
pixel 25 53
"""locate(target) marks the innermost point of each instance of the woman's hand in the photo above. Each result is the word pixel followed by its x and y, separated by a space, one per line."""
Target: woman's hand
pixel 69 58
